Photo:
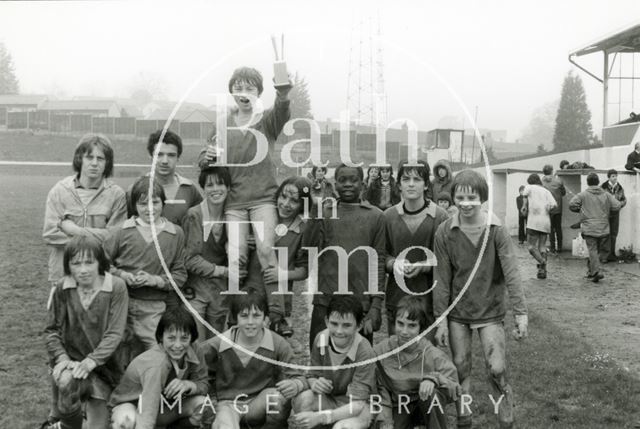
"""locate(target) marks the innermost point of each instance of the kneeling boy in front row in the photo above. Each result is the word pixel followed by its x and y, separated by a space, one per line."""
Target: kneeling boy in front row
pixel 415 379
pixel 339 394
pixel 248 388
pixel 166 383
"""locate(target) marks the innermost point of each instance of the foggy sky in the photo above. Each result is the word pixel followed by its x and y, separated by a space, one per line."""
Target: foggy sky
pixel 507 58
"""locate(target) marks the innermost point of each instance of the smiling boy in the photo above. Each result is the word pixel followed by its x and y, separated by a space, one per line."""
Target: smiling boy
pixel 358 224
pixel 166 383
pixel 338 396
pixel 251 195
pixel 247 388
pixel 411 223
pixel 415 383
pixel 458 245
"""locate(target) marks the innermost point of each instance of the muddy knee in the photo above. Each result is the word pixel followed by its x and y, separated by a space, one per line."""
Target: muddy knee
pixel 463 365
pixel 304 401
pixel 68 392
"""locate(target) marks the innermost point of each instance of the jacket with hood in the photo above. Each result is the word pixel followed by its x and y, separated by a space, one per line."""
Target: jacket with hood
pixel 595 206
pixel 556 187
pixel 441 184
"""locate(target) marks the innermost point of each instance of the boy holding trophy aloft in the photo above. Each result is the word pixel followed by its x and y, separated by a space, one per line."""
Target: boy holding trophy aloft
pixel 242 139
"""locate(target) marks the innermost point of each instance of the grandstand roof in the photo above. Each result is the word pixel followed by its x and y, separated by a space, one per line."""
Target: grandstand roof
pixel 626 40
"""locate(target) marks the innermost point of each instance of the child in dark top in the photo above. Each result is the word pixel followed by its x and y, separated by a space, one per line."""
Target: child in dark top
pixel 133 253
pixel 408 225
pixel 417 379
pixel 205 252
pixel 522 218
pixel 251 196
pixel 249 389
pixel 383 191
pixel 168 375
pixel 338 394
pixel 373 174
pixel 358 225
pixel 482 306
pixel 321 187
pixel 291 198
pixel 86 324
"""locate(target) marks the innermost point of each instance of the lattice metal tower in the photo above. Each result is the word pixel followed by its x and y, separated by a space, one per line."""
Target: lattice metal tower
pixel 366 97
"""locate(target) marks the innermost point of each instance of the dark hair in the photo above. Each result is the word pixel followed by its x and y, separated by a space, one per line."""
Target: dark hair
pixel 534 179
pixel 611 172
pixel 304 190
pixel 386 167
pixel 246 74
pixel 371 167
pixel 421 170
pixel 563 164
pixel 521 188
pixel 343 165
pixel 416 309
pixel 345 305
pixel 472 180
pixel 140 190
pixel 316 168
pixel 85 244
pixel 86 145
pixel 547 169
pixel 178 318
pixel 593 179
pixel 444 196
pixel 169 138
pixel 222 173
pixel 246 301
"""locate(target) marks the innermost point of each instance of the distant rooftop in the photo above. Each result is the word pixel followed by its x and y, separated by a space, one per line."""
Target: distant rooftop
pixel 22 99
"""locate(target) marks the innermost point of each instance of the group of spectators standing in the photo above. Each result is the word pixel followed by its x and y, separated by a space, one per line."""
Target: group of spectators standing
pixel 540 214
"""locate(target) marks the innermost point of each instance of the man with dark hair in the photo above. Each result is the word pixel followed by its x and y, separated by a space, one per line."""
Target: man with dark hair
pixel 633 159
pixel 556 187
pixel 595 206
pixel 181 192
pixel 614 188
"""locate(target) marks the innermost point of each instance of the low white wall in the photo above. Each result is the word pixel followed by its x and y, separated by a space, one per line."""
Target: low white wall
pixel 511 175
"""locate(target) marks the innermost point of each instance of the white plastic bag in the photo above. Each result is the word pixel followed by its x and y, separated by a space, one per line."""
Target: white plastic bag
pixel 579 247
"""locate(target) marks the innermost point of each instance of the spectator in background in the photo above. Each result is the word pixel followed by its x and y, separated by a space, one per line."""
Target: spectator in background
pixel 442 178
pixel 321 187
pixel 564 164
pixel 614 188
pixel 383 192
pixel 522 217
pixel 537 205
pixel 595 207
pixel 633 160
pixel 556 187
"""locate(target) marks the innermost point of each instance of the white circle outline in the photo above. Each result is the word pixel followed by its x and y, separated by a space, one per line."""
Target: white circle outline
pixel 440 319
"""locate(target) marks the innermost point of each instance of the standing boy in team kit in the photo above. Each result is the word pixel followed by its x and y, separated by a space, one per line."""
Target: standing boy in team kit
pixel 358 224
pixel 482 307
pixel 411 223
